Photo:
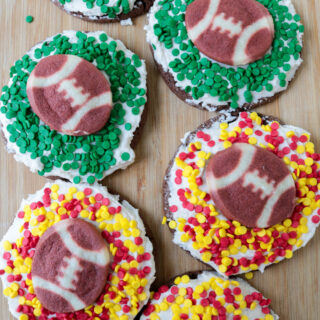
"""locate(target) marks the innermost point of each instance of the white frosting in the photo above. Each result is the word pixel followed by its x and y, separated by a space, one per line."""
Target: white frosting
pixel 164 56
pixel 125 137
pixel 205 276
pixel 127 212
pixel 214 131
pixel 75 6
pixel 127 22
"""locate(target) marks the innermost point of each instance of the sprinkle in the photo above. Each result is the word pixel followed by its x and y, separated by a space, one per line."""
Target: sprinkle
pixel 29 19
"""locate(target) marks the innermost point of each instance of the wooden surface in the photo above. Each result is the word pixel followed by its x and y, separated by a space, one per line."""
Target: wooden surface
pixel 292 285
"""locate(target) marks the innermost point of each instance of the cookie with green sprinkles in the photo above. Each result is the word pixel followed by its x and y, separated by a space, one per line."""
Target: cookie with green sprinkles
pixel 105 11
pixel 78 158
pixel 200 47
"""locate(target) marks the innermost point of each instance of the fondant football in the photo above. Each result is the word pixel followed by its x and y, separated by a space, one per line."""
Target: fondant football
pixel 234 32
pixel 70 266
pixel 69 94
pixel 251 185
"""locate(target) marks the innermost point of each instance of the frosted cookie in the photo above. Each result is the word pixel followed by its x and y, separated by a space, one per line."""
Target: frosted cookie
pixel 218 55
pixel 104 11
pixel 200 296
pixel 62 126
pixel 204 211
pixel 76 252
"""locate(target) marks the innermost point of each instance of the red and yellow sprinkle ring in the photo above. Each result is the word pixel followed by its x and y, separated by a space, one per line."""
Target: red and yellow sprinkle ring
pixel 132 268
pixel 201 229
pixel 207 296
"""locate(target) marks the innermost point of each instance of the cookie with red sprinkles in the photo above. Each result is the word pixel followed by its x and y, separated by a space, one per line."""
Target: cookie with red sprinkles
pixel 207 296
pixel 76 252
pixel 227 245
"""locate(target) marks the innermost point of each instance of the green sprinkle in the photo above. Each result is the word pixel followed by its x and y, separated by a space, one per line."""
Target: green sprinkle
pixel 29 19
pixel 91 179
pixel 125 156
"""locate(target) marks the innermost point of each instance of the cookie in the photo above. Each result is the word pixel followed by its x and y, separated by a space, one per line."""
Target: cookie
pixel 200 227
pixel 55 256
pixel 70 266
pixel 70 95
pixel 251 185
pixel 231 32
pixel 84 158
pixel 200 295
pixel 100 11
pixel 208 84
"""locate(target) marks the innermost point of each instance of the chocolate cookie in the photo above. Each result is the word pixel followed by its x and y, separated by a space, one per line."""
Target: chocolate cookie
pixel 200 295
pixel 62 236
pixel 208 84
pixel 198 225
pixel 77 158
pixel 102 12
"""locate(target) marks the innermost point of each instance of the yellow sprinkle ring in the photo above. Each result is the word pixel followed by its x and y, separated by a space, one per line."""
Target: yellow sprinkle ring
pixel 202 229
pixel 208 298
pixel 127 288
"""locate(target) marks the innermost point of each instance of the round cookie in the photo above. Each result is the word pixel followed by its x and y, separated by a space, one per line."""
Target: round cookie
pixel 132 268
pixel 77 158
pixel 231 32
pixel 105 11
pixel 199 295
pixel 70 266
pixel 251 185
pixel 198 225
pixel 70 95
pixel 211 85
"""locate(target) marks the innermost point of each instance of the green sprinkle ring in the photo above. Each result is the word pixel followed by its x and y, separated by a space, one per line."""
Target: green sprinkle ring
pixel 208 84
pixel 82 158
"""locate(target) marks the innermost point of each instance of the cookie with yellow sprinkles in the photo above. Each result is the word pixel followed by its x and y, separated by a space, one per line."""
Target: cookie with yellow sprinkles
pixel 207 296
pixel 243 194
pixel 76 252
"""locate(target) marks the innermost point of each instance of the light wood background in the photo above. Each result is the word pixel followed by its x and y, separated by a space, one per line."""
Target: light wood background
pixel 292 285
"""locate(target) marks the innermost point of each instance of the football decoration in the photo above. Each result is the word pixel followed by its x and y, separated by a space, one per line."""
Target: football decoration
pixel 234 32
pixel 70 266
pixel 70 95
pixel 251 185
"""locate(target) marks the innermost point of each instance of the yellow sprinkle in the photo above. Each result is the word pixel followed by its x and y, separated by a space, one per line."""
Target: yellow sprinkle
pixel 164 220
pixel 227 144
pixel 223 268
pixel 268 317
pixel 289 134
pixel 54 187
pixel 7 245
pixel 172 224
pixel 224 125
pixel 253 140
pixel 185 279
pixel 206 257
pixel 289 254
pixel 249 275
pixel 23 317
pixel 248 131
pixel 300 149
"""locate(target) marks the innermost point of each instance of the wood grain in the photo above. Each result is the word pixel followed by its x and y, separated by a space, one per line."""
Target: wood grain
pixel 292 285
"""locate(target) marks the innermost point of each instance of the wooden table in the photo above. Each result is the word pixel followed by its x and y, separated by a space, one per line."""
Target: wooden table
pixel 293 285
